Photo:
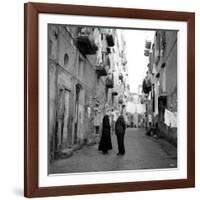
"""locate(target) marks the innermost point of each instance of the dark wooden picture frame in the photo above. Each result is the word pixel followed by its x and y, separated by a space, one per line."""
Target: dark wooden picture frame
pixel 31 105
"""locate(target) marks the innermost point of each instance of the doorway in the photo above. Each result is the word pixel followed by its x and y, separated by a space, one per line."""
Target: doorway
pixel 77 112
pixel 62 118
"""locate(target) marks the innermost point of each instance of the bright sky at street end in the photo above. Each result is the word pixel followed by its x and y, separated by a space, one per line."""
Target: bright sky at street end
pixel 137 62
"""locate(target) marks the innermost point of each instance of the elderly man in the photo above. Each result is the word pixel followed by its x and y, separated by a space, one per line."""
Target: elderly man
pixel 120 128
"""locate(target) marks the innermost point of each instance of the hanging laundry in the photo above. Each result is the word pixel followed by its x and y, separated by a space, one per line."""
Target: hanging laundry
pixel 167 117
pixel 173 120
pixel 170 118
pixel 104 44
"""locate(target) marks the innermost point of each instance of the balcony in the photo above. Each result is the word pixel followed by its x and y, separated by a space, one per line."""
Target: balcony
pixel 148 44
pixel 120 101
pixel 114 93
pixel 146 52
pixel 124 60
pixel 146 86
pixel 109 81
pixel 85 42
pixel 110 40
pixel 150 68
pixel 157 75
pixel 121 77
pixel 102 65
pixel 101 70
pixel 108 50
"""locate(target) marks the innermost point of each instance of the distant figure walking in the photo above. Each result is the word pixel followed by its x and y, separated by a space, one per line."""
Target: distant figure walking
pixel 105 142
pixel 120 127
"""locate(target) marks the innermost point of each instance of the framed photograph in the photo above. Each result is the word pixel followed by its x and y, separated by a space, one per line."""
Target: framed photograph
pixel 109 100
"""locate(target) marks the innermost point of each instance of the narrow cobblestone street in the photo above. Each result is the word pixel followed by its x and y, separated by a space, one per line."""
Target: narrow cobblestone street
pixel 142 152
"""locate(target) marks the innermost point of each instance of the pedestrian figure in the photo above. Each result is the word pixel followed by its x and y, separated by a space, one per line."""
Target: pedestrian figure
pixel 105 142
pixel 120 127
pixel 97 122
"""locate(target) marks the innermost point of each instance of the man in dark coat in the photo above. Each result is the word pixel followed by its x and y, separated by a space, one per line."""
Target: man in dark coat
pixel 120 128
pixel 105 142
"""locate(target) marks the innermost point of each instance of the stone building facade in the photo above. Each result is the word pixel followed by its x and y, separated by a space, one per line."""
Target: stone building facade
pixel 86 79
pixel 162 77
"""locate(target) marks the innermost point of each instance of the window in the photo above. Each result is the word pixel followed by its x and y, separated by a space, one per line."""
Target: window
pixel 80 67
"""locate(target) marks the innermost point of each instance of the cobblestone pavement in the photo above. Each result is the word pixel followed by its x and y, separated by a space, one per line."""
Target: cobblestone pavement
pixel 142 152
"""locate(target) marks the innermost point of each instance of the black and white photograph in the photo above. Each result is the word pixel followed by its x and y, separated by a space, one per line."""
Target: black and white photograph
pixel 112 99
